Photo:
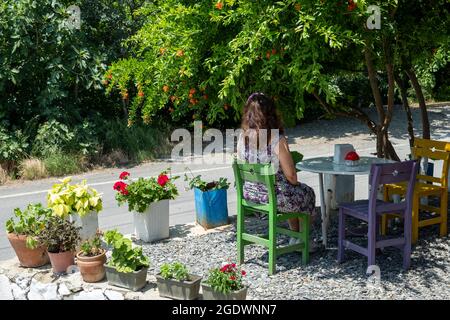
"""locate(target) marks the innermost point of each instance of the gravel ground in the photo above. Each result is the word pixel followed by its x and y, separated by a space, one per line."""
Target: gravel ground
pixel 323 277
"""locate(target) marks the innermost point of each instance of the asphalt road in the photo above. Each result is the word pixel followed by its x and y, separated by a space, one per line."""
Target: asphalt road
pixel 313 139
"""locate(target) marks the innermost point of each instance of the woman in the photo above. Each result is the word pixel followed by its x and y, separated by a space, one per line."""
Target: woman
pixel 260 118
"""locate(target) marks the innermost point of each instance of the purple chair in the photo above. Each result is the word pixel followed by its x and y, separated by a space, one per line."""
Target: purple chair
pixel 371 211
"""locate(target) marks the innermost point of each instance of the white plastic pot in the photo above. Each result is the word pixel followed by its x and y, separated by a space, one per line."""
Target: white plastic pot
pixel 153 224
pixel 88 224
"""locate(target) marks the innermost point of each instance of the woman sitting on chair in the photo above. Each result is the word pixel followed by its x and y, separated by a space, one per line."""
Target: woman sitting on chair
pixel 262 141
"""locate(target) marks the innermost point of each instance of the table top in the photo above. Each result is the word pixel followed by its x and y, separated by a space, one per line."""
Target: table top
pixel 326 165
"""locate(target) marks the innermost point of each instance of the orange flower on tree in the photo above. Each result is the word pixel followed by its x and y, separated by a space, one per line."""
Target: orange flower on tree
pixel 166 88
pixel 192 91
pixel 219 5
pixel 180 53
pixel 268 54
pixel 351 5
pixel 141 94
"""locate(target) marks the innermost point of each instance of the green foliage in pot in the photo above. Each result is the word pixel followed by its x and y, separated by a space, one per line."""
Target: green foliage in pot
pixel 139 194
pixel 60 235
pixel 124 257
pixel 92 247
pixel 197 182
pixel 175 270
pixel 29 222
pixel 80 199
pixel 226 279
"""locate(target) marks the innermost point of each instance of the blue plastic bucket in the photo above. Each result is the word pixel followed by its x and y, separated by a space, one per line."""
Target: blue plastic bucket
pixel 211 208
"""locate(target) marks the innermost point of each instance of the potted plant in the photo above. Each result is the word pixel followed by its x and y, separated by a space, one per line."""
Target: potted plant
pixel 148 199
pixel 128 266
pixel 91 259
pixel 61 237
pixel 210 201
pixel 23 231
pixel 225 284
pixel 79 202
pixel 175 282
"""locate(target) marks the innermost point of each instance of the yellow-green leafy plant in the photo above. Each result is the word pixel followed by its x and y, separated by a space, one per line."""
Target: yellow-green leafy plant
pixel 65 199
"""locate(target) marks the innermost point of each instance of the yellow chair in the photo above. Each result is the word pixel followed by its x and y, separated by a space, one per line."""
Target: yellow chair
pixel 425 186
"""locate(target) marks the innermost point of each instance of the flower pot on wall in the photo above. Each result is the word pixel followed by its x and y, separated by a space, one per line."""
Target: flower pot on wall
pixel 211 208
pixel 92 269
pixel 29 258
pixel 131 280
pixel 88 224
pixel 153 224
pixel 61 261
pixel 210 294
pixel 179 290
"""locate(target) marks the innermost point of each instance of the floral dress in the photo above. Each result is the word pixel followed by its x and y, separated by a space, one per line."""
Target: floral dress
pixel 290 198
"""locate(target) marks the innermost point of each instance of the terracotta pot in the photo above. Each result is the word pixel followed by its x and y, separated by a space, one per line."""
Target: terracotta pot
pixel 92 269
pixel 29 258
pixel 61 261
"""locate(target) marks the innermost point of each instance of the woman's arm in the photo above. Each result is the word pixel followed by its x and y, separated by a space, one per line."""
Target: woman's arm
pixel 286 162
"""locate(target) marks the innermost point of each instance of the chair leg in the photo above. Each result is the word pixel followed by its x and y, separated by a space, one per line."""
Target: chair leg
pixel 341 236
pixel 305 238
pixel 240 231
pixel 371 245
pixel 444 201
pixel 272 243
pixel 415 218
pixel 385 217
pixel 407 247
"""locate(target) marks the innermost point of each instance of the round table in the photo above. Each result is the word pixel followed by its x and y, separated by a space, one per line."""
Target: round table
pixel 325 165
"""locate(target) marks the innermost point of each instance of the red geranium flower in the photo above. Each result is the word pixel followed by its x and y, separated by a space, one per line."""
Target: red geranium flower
pixel 232 278
pixel 243 272
pixel 162 180
pixel 121 187
pixel 124 175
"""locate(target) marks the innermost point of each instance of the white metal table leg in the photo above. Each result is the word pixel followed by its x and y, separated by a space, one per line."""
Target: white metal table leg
pixel 323 210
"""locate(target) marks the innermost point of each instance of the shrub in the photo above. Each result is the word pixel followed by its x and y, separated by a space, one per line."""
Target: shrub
pixel 197 182
pixel 61 164
pixel 32 169
pixel 80 199
pixel 138 143
pixel 175 270
pixel 60 235
pixel 124 257
pixel 29 222
pixel 93 247
pixel 141 193
pixel 226 279
pixel 13 146
pixel 53 137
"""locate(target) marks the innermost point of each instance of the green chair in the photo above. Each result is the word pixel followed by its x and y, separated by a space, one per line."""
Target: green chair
pixel 265 174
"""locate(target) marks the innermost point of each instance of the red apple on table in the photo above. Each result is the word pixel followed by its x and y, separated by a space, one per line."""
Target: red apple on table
pixel 352 156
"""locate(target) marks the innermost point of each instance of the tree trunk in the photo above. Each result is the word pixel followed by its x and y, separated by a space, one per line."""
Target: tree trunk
pixel 363 117
pixel 378 99
pixel 401 83
pixel 423 107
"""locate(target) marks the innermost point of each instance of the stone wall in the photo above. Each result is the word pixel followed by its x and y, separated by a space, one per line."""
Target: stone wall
pixel 17 283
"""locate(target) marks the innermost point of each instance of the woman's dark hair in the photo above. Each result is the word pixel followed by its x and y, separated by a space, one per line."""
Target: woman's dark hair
pixel 260 113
